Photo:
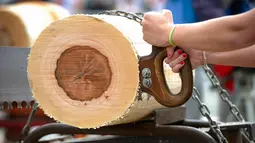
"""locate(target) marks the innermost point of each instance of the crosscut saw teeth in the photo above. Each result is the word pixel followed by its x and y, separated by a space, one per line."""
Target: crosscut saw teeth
pixel 28 105
pixel 16 104
pixel 10 105
pixel 19 105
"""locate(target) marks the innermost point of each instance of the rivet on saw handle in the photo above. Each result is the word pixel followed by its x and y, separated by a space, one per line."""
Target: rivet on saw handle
pixel 154 82
pixel 146 73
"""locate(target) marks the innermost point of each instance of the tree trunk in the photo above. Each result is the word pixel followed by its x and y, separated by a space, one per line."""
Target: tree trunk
pixel 83 71
pixel 21 23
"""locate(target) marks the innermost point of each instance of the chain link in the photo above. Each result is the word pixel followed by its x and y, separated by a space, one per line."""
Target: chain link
pixel 223 93
pixel 214 80
pixel 206 113
pixel 131 16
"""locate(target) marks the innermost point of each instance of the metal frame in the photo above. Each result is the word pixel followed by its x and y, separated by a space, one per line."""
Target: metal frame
pixel 169 123
pixel 130 130
pixel 154 125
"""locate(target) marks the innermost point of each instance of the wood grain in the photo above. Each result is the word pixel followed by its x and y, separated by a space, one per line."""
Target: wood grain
pixel 83 73
pixel 22 22
pixel 118 39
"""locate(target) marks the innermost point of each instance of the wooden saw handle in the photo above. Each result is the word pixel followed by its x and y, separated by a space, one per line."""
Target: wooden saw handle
pixel 154 83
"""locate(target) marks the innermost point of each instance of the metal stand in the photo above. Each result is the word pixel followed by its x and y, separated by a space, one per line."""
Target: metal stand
pixel 164 125
pixel 26 128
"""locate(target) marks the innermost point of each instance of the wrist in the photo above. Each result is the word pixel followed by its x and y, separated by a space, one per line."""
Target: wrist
pixel 169 33
pixel 178 34
pixel 170 37
pixel 207 57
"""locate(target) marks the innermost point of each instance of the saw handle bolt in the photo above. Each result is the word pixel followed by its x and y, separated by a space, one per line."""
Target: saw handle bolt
pixel 146 72
pixel 147 82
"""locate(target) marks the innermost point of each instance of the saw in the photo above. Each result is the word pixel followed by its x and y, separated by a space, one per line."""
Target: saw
pixel 14 86
pixel 94 73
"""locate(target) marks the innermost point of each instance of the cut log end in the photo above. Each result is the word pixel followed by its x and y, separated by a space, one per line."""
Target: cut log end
pixel 83 73
pixel 5 37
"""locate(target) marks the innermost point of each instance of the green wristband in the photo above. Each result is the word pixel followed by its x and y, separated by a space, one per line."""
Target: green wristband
pixel 171 36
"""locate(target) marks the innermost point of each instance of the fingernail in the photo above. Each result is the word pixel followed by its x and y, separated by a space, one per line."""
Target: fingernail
pixel 179 51
pixel 184 55
pixel 182 62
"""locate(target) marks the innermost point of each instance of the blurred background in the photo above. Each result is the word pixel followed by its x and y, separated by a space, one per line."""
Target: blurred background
pixel 239 82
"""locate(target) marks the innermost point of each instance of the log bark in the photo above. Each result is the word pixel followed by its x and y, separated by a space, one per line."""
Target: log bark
pixel 83 71
pixel 21 23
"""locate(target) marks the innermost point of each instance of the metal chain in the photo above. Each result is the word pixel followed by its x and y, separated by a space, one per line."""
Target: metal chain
pixel 27 126
pixel 223 93
pixel 206 113
pixel 214 80
pixel 131 16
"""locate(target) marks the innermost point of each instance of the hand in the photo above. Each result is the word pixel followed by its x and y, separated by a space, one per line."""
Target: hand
pixel 156 27
pixel 175 59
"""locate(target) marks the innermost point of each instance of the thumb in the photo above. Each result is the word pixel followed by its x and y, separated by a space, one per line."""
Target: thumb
pixel 168 14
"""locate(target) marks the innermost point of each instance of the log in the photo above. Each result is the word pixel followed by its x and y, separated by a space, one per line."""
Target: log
pixel 21 23
pixel 83 71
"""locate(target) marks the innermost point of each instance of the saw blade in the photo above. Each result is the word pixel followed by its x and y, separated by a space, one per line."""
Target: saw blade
pixel 14 85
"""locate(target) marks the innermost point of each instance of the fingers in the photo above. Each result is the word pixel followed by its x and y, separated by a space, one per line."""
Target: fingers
pixel 176 61
pixel 168 14
pixel 147 15
pixel 177 67
pixel 173 58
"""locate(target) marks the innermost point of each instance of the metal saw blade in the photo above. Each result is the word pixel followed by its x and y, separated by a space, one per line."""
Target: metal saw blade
pixel 14 86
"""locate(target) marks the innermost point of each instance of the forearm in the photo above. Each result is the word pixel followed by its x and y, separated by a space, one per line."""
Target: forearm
pixel 241 57
pixel 220 34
